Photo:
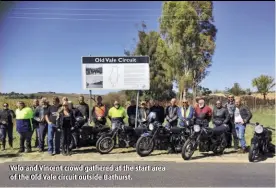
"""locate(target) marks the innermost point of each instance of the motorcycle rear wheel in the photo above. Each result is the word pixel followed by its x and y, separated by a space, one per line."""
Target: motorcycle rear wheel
pixel 252 153
pixel 140 142
pixel 105 145
pixel 188 149
pixel 220 149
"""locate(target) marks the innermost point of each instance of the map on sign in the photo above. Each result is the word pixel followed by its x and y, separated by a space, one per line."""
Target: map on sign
pixel 118 73
pixel 114 76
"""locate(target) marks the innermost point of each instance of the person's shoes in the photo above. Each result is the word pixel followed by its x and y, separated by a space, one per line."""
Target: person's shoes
pixel 54 153
pixel 40 150
pixel 20 150
pixel 28 151
pixel 51 154
pixel 10 146
pixel 68 153
pixel 63 153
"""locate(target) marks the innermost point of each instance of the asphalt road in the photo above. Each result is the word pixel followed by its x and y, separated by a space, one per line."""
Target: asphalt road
pixel 173 175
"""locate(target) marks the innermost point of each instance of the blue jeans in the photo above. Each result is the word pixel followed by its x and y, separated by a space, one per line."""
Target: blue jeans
pixel 42 135
pixel 53 139
pixel 240 129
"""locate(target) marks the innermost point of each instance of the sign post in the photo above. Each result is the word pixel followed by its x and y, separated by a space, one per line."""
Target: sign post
pixel 116 73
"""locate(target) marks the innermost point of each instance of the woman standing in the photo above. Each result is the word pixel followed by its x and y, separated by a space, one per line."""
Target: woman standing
pixel 66 121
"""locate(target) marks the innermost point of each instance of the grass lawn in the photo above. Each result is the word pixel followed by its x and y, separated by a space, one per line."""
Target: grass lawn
pixel 267 118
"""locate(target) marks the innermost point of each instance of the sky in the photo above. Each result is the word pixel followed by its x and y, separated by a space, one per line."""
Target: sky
pixel 41 43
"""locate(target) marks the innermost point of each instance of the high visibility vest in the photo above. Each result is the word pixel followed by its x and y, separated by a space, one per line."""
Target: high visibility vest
pixel 187 111
pixel 117 113
pixel 25 113
pixel 100 111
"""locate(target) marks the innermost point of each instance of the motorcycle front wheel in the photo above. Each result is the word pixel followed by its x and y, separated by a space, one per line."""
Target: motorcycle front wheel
pixel 144 146
pixel 220 149
pixel 253 152
pixel 188 149
pixel 105 145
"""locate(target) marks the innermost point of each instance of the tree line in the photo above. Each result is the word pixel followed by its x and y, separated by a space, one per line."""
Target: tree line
pixel 181 52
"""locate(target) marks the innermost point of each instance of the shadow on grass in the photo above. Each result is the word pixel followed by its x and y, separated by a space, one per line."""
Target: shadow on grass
pixel 9 155
pixel 83 151
pixel 212 154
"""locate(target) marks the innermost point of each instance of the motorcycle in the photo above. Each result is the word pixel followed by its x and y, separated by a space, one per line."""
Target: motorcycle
pixel 87 135
pixel 208 139
pixel 160 137
pixel 127 137
pixel 261 142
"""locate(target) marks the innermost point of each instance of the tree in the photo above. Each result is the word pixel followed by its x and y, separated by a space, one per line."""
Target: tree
pixel 188 29
pixel 263 84
pixel 236 90
pixel 203 91
pixel 248 91
pixel 160 84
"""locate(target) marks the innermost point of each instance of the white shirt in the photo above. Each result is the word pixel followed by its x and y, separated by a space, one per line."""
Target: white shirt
pixel 238 118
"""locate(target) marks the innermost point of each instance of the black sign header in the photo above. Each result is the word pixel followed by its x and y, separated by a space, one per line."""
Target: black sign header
pixel 122 59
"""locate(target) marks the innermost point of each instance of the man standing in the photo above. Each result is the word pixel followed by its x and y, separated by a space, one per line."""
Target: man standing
pixel 159 110
pixel 203 113
pixel 53 134
pixel 116 114
pixel 185 113
pixel 83 108
pixel 99 112
pixel 6 125
pixel 220 115
pixel 230 106
pixel 143 112
pixel 242 116
pixel 171 114
pixel 40 118
pixel 131 112
pixel 24 116
pixel 35 123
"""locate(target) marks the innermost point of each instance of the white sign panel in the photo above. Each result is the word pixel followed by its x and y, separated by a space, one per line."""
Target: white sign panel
pixel 118 73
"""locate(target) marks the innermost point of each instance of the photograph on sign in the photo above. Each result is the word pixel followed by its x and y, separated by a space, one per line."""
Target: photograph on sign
pixel 116 73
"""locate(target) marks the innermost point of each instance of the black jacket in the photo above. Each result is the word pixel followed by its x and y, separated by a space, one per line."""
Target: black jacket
pixel 171 113
pixel 220 116
pixel 131 111
pixel 61 118
pixel 160 113
pixel 84 110
pixel 245 114
pixel 231 109
pixel 7 115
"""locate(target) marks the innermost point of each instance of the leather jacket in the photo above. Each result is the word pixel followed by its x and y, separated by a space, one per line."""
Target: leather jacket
pixel 171 113
pixel 143 114
pixel 220 116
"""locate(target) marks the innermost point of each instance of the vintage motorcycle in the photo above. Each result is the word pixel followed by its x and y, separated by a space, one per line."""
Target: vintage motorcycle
pixel 208 139
pixel 160 137
pixel 260 143
pixel 127 137
pixel 87 135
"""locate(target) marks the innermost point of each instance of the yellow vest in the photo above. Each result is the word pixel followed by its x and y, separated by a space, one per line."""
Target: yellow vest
pixel 117 113
pixel 25 113
pixel 187 111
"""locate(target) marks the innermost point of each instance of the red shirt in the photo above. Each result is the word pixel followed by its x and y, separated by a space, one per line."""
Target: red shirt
pixel 205 112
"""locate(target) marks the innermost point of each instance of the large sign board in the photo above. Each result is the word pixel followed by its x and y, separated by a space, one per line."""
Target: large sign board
pixel 118 73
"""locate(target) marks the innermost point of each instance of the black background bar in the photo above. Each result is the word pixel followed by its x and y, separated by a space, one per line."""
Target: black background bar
pixel 120 59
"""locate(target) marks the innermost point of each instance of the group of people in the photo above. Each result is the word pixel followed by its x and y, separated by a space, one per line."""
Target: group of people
pixel 58 120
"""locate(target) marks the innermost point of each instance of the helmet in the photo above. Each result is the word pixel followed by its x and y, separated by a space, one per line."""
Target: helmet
pixel 152 117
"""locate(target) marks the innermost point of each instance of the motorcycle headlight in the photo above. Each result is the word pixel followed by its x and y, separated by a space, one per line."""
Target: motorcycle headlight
pixel 196 128
pixel 259 129
pixel 151 126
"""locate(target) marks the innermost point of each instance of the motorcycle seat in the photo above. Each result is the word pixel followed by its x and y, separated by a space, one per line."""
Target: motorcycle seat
pixel 140 130
pixel 219 130
pixel 128 128
pixel 176 130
